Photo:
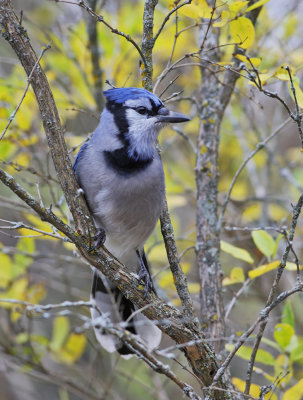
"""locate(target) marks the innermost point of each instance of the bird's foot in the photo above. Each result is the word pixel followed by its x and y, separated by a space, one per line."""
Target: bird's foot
pixel 99 239
pixel 145 277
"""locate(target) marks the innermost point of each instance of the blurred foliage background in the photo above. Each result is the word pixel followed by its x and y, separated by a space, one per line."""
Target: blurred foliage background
pixel 44 353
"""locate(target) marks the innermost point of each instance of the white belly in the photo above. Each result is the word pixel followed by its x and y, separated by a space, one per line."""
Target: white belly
pixel 128 209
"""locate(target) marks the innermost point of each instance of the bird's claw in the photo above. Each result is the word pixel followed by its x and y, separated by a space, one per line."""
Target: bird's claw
pixel 99 239
pixel 145 277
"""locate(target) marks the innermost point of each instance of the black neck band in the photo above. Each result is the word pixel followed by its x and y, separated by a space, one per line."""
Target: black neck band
pixel 120 161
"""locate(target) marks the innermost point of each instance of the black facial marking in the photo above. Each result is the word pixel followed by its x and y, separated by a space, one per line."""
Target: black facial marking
pixel 121 162
pixel 119 113
pixel 154 110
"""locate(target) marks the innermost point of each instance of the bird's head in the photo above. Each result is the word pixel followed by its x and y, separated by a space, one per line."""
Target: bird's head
pixel 139 115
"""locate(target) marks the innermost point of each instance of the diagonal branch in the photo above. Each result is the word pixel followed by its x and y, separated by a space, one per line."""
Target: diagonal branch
pixel 169 319
pixel 165 220
pixel 17 37
pixel 100 18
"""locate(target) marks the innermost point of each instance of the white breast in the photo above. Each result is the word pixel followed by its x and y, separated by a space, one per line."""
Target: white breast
pixel 128 207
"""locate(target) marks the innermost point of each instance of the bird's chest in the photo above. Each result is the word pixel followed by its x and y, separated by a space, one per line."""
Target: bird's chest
pixel 128 206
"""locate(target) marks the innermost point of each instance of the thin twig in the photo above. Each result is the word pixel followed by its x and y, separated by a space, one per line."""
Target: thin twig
pixel 133 344
pixel 263 315
pixel 270 300
pixel 297 117
pixel 101 19
pixel 259 146
pixel 168 16
pixel 39 308
pixel 12 117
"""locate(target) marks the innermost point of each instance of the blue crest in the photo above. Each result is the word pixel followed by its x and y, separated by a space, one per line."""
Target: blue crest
pixel 120 95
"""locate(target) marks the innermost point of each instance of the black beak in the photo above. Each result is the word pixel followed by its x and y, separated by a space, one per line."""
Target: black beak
pixel 166 116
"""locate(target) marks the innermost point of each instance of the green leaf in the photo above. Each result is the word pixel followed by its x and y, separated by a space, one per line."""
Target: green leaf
pixel 288 314
pixel 297 353
pixel 271 343
pixel 236 252
pixel 244 352
pixel 60 332
pixel 283 334
pixel 295 392
pixel 242 32
pixel 264 242
pixel 282 365
pixel 21 261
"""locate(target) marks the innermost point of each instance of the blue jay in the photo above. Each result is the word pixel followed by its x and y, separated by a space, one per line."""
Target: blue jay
pixel 122 177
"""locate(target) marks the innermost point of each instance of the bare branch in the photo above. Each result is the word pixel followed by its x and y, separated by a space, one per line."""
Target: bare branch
pixel 270 300
pixel 18 39
pixel 259 146
pixel 12 117
pixel 99 18
pixel 175 9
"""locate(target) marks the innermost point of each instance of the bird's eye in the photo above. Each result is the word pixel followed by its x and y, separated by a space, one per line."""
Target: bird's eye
pixel 142 110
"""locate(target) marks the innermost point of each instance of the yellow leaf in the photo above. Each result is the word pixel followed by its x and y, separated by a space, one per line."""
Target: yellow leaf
pixel 22 159
pixel 157 254
pixel 283 334
pixel 290 266
pixel 236 252
pixel 194 287
pixel 69 246
pixel 242 32
pixel 197 9
pixel 37 223
pixel 256 5
pixel 224 20
pixel 16 291
pixel 5 270
pixel 73 348
pixel 264 77
pixel 236 276
pixel 244 352
pixel 277 212
pixel 255 61
pixel 263 269
pixel 35 293
pixel 236 6
pixel 254 389
pixel 299 93
pixel 281 73
pixel 252 212
pixel 291 24
pixel 60 332
pixel 295 392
